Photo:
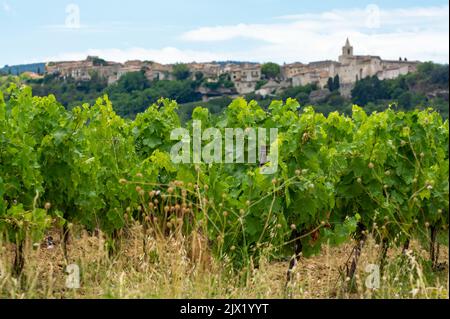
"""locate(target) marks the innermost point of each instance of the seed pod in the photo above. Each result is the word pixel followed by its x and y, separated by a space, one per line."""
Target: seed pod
pixel 298 172
pixel 47 206
pixel 123 181
pixel 225 213
pixel 139 175
pixel 166 209
pixel 359 180
pixel 371 165
pixel 293 227
pixel 170 190
pixel 138 189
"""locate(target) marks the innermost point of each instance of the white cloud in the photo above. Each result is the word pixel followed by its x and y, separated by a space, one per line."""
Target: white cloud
pixel 418 33
pixel 165 55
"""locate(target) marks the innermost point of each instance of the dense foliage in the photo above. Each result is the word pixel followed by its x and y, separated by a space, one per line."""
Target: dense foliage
pixel 338 175
pixel 270 70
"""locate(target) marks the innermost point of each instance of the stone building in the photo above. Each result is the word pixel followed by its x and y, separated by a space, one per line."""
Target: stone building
pixel 245 77
pixel 84 70
pixel 209 70
pixel 350 68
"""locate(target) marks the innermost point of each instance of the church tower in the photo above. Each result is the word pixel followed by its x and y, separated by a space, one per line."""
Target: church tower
pixel 347 52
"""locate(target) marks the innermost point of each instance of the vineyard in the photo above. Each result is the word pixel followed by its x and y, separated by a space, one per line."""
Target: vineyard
pixel 340 180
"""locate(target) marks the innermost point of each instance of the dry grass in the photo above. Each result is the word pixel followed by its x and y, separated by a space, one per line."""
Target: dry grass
pixel 178 267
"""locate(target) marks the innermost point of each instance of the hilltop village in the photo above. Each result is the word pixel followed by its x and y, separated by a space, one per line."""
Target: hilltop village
pixel 244 78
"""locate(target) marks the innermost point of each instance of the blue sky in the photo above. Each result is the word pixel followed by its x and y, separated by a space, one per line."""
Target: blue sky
pixel 202 30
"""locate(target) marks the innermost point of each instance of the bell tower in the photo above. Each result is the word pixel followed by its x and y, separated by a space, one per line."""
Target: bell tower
pixel 347 52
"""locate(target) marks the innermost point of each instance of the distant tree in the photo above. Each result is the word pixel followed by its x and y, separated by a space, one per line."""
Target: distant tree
pixel 330 84
pixel 181 71
pixel 440 75
pixel 336 83
pixel 199 76
pixel 405 99
pixel 133 81
pixel 271 70
pixel 260 84
pixel 302 98
pixel 96 61
pixel 333 84
pixel 370 89
pixel 335 100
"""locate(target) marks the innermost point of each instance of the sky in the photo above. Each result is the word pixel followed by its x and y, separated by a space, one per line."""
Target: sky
pixel 169 31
